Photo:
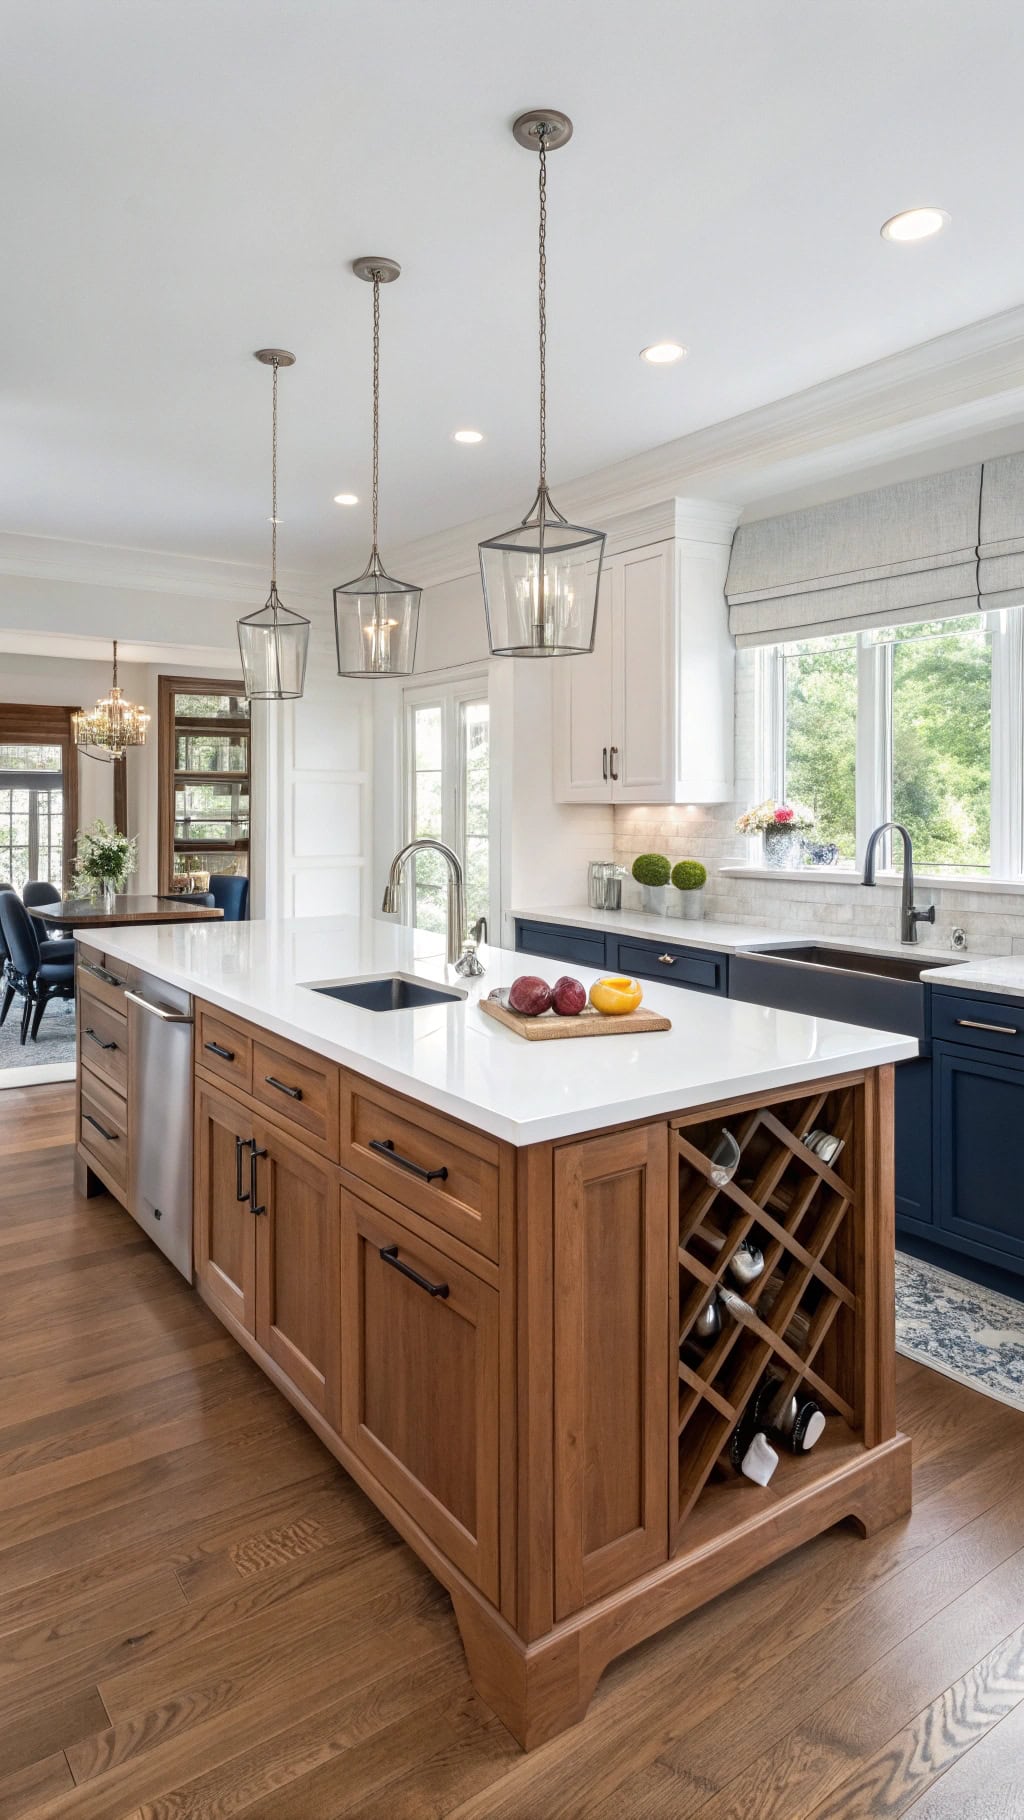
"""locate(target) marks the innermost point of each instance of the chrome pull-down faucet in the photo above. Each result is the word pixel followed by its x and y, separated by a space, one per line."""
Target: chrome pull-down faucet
pixel 910 915
pixel 462 948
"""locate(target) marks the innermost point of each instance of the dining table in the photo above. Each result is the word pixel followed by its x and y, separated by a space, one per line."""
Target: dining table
pixel 82 913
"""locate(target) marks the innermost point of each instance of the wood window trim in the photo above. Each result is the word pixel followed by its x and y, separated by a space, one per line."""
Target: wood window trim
pixel 167 688
pixel 28 723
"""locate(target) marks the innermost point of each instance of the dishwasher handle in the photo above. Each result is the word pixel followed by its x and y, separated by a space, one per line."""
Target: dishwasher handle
pixel 166 1017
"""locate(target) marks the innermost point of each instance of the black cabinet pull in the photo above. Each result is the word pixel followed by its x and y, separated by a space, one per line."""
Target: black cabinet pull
pixel 240 1193
pixel 111 1136
pixel 226 1055
pixel 294 1093
pixel 389 1254
pixel 98 1040
pixel 253 1154
pixel 614 750
pixel 604 763
pixel 385 1147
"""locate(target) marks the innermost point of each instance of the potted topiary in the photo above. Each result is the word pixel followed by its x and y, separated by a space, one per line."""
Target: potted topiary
pixel 689 878
pixel 652 873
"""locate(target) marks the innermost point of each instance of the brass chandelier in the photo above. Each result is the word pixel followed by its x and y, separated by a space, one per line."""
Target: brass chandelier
pixel 112 725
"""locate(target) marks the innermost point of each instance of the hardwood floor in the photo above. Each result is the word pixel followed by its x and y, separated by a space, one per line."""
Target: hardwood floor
pixel 200 1615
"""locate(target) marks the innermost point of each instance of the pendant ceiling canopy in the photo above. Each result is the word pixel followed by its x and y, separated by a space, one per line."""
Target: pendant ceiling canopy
pixel 541 577
pixel 376 617
pixel 108 729
pixel 273 641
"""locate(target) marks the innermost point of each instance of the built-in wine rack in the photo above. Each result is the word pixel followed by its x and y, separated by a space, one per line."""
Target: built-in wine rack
pixel 800 1318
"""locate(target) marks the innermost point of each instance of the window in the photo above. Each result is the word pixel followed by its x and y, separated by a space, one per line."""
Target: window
pixel 920 724
pixel 449 797
pixel 204 777
pixel 31 814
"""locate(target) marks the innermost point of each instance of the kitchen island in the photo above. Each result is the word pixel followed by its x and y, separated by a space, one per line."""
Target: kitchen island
pixel 479 1269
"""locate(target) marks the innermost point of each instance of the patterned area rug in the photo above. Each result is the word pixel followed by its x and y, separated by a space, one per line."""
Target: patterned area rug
pixel 54 1044
pixel 968 1333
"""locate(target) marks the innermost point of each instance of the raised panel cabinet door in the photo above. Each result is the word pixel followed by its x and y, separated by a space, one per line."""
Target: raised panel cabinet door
pixel 420 1384
pixel 581 700
pixel 979 1108
pixel 643 766
pixel 611 1353
pixel 224 1226
pixel 297 1286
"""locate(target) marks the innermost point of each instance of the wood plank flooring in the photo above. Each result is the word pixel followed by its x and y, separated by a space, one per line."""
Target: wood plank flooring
pixel 201 1617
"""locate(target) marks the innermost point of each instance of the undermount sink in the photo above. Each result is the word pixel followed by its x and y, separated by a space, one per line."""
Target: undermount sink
pixel 882 991
pixel 388 992
pixel 859 960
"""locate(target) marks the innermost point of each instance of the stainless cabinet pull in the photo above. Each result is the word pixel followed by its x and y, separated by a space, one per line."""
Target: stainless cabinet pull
pixel 226 1055
pixel 385 1147
pixel 668 960
pixel 166 1017
pixel 604 763
pixel 613 755
pixel 253 1155
pixel 294 1093
pixel 971 1023
pixel 98 1040
pixel 111 1136
pixel 241 1194
pixel 389 1254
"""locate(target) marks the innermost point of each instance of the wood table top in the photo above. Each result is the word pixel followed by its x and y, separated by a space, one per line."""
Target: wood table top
pixel 80 913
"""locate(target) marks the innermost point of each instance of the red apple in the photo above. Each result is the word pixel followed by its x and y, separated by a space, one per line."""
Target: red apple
pixel 568 996
pixel 530 995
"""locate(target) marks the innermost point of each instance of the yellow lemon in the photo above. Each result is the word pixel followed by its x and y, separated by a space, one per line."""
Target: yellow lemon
pixel 616 995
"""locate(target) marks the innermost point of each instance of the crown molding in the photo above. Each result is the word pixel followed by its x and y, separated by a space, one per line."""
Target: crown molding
pixel 88 648
pixel 234 584
pixel 916 401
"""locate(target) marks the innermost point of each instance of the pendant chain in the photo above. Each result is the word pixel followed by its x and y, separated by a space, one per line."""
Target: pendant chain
pixel 273 492
pixel 376 404
pixel 542 302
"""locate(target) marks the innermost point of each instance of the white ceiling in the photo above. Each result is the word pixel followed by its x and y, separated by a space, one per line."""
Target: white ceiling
pixel 186 180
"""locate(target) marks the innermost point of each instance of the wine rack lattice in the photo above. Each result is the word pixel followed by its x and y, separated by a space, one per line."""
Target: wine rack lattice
pixel 799 1317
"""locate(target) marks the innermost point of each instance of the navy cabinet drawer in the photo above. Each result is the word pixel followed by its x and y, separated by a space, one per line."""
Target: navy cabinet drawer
pixel 984 1023
pixel 979 1110
pixel 556 943
pixel 700 969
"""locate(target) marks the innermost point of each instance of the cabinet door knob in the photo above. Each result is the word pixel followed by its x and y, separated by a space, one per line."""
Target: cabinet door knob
pixel 668 960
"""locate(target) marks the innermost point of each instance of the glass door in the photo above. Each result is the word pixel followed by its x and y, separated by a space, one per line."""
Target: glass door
pixel 31 813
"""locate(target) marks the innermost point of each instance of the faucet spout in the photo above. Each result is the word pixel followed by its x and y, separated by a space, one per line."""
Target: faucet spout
pixel 461 950
pixel 910 915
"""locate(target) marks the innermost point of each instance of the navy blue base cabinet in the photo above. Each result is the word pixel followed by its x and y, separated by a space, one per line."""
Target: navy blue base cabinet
pixel 556 942
pixel 913 1119
pixel 699 969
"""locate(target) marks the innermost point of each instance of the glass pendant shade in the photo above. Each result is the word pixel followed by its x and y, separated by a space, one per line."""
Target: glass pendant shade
pixel 273 643
pixel 375 623
pixel 540 583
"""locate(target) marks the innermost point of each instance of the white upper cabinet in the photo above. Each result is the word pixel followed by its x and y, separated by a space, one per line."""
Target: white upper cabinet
pixel 647 717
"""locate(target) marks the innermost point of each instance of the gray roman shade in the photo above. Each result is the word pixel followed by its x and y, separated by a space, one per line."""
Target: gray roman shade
pixel 905 552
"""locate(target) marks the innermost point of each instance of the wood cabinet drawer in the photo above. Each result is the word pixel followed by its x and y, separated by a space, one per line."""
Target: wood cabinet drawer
pixel 103 1125
pixel 106 982
pixel 299 1087
pixel 223 1048
pixel 447 1172
pixel 103 1035
pixel 985 1023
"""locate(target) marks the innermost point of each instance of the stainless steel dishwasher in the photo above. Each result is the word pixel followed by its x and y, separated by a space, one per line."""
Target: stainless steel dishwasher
pixel 160 1116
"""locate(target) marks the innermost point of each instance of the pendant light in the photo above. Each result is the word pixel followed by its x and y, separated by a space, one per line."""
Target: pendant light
pixel 112 726
pixel 540 579
pixel 375 616
pixel 273 641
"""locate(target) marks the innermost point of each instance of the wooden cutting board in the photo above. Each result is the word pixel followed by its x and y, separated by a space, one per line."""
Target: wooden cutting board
pixel 550 1028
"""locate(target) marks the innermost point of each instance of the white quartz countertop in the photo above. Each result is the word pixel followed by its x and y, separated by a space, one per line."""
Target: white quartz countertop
pixel 725 938
pixel 455 1059
pixel 1001 975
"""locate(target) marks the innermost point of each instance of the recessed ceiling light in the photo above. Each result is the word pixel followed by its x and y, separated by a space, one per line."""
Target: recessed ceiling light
pixel 663 353
pixel 346 499
pixel 467 436
pixel 914 224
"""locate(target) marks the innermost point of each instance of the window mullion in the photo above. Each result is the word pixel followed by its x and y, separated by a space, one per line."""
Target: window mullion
pixel 1007 743
pixel 874 741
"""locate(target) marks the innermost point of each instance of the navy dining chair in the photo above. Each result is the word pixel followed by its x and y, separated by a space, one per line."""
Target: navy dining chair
pixel 39 891
pixel 35 970
pixel 230 893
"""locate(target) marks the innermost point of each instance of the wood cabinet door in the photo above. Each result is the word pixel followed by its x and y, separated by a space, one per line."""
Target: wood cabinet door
pixel 644 769
pixel 224 1227
pixel 582 709
pixel 611 1356
pixel 420 1384
pixel 297 1286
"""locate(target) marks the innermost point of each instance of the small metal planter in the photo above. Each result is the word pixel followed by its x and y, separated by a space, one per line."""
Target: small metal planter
pixel 690 904
pixel 781 846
